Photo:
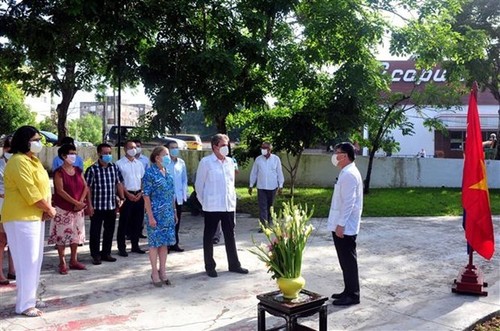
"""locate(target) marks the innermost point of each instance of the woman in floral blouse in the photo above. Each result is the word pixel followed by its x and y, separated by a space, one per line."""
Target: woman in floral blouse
pixel 158 187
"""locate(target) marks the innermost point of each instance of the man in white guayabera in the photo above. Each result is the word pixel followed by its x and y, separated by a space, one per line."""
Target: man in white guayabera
pixel 215 190
pixel 268 175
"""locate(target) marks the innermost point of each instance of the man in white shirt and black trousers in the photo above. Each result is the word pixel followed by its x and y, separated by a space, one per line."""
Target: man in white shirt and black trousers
pixel 132 210
pixel 216 192
pixel 267 173
pixel 344 220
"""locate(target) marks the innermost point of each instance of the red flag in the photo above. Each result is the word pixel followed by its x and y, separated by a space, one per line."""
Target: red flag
pixel 475 196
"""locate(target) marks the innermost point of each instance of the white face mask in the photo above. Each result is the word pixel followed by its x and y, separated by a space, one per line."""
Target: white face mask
pixel 224 150
pixel 131 152
pixel 71 158
pixel 138 150
pixel 7 155
pixel 263 151
pixel 36 146
pixel 335 162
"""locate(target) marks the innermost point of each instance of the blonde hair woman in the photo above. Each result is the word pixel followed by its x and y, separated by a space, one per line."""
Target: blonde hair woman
pixel 158 188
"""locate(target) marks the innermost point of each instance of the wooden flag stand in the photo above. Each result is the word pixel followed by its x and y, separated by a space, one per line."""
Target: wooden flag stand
pixel 470 280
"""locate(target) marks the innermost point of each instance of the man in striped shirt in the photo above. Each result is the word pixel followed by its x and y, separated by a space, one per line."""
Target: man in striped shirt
pixel 105 183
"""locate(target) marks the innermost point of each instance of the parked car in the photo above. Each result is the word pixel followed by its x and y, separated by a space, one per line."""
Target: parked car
pixel 50 138
pixel 112 138
pixel 193 140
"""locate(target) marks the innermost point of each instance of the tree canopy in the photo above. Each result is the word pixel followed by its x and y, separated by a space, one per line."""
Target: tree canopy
pixel 13 112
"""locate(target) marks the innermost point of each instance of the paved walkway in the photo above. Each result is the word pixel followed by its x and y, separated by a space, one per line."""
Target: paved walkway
pixel 407 268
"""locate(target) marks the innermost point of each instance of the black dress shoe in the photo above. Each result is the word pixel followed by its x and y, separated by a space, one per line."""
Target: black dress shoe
pixel 11 276
pixel 345 301
pixel 239 270
pixel 175 248
pixel 123 253
pixel 141 236
pixel 138 251
pixel 96 260
pixel 212 273
pixel 338 295
pixel 108 258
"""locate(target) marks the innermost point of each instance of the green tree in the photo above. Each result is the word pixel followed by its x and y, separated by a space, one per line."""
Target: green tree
pixel 462 35
pixel 481 16
pixel 87 128
pixel 392 113
pixel 66 46
pixel 215 53
pixel 49 123
pixel 13 112
pixel 323 76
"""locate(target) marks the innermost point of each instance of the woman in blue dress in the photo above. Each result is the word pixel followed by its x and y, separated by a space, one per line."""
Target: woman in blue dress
pixel 158 187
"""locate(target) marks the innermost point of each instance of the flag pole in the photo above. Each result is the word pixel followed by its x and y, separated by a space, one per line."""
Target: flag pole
pixel 470 278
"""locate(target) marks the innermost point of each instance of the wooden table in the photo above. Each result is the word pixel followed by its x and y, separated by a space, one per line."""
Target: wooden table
pixel 308 303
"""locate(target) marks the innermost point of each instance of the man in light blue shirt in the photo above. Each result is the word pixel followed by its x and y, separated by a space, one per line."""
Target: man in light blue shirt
pixel 57 161
pixel 140 156
pixel 177 169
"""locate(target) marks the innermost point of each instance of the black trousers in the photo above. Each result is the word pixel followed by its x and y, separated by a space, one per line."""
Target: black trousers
pixel 348 260
pixel 227 223
pixel 178 210
pixel 265 199
pixel 130 223
pixel 106 218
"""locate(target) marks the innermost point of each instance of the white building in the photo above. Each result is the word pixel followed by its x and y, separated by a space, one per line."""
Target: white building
pixel 40 105
pixel 435 143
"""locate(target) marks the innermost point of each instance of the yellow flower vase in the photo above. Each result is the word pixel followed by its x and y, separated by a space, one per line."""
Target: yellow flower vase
pixel 290 287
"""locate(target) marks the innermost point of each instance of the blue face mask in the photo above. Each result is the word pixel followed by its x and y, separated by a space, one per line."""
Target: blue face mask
pixel 174 152
pixel 107 158
pixel 166 161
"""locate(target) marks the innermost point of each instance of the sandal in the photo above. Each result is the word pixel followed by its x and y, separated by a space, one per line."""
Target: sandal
pixel 41 304
pixel 32 312
pixel 63 270
pixel 77 266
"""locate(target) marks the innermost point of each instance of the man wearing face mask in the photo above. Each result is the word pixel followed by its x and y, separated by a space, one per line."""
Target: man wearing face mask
pixel 57 161
pixel 132 210
pixel 140 156
pixel 344 221
pixel 267 173
pixel 216 192
pixel 177 168
pixel 104 180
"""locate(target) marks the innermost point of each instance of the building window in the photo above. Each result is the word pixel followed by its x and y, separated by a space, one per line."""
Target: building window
pixel 457 139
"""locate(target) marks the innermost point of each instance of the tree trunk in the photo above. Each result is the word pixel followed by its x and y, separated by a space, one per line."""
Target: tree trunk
pixel 371 156
pixel 292 170
pixel 68 89
pixel 62 113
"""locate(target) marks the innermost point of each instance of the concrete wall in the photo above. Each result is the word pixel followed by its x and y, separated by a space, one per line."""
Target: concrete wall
pixel 317 170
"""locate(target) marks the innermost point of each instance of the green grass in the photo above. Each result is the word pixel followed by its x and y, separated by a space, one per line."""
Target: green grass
pixel 396 202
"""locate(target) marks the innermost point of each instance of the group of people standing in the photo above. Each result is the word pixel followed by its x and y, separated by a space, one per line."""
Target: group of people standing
pixel 130 185
pixel 147 192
